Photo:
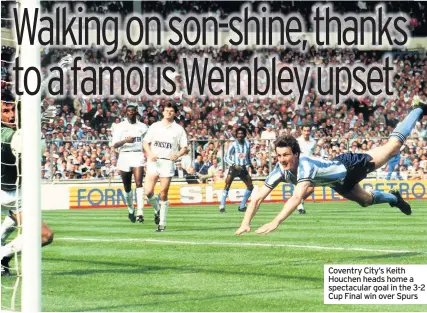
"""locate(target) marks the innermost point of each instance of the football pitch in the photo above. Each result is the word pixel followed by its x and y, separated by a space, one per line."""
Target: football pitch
pixel 99 261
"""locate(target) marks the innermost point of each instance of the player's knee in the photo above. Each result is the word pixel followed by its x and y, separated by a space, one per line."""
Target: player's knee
pixel 365 203
pixel 395 149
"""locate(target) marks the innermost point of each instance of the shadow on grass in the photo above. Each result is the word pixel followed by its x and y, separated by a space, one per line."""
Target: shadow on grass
pixel 204 229
pixel 140 306
pixel 119 268
pixel 390 255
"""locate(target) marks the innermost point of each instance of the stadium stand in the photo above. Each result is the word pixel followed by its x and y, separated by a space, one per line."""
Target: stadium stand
pixel 78 139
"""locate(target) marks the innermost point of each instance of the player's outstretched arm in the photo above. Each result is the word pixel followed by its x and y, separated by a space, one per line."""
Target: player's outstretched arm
pixel 290 206
pixel 253 207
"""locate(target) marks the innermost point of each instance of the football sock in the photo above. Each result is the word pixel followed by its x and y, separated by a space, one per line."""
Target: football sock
pixel 301 206
pixel 15 246
pixel 383 197
pixel 223 198
pixel 404 128
pixel 245 198
pixel 164 205
pixel 7 227
pixel 129 201
pixel 153 202
pixel 140 200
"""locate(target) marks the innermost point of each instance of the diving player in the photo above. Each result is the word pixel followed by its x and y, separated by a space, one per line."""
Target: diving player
pixel 342 174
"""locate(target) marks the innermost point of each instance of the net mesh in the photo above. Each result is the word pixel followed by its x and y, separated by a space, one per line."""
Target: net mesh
pixel 11 286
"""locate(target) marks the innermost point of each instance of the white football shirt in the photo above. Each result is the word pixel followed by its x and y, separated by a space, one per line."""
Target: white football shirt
pixel 124 130
pixel 166 139
pixel 307 147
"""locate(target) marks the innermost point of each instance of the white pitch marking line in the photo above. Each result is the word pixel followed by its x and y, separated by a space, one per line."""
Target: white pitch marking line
pixel 235 244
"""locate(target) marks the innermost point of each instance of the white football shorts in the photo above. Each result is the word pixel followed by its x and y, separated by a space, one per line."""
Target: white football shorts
pixel 161 168
pixel 10 200
pixel 128 160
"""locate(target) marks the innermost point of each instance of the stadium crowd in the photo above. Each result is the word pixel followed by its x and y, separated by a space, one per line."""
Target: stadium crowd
pixel 222 9
pixel 79 138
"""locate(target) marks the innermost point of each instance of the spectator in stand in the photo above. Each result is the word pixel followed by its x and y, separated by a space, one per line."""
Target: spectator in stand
pixel 198 163
pixel 213 172
pixel 393 167
pixel 269 135
pixel 180 172
pixel 259 172
pixel 206 164
pixel 342 122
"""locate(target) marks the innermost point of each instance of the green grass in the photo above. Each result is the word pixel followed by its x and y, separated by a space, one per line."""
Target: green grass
pixel 224 272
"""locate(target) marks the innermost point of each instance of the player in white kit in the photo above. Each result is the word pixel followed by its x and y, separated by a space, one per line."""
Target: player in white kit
pixel 164 143
pixel 307 146
pixel 128 137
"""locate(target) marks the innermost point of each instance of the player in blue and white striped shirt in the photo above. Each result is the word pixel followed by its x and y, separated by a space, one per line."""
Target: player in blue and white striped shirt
pixel 342 174
pixel 238 158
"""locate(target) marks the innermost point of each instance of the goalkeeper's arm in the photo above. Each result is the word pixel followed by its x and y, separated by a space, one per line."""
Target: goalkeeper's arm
pixel 14 138
pixel 7 134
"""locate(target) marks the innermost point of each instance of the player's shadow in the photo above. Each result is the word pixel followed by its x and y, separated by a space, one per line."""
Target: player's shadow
pixel 140 306
pixel 390 255
pixel 137 269
pixel 335 212
pixel 204 229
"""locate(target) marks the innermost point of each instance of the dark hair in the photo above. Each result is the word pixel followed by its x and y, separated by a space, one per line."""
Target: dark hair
pixel 306 125
pixel 171 105
pixel 288 141
pixel 7 98
pixel 131 106
pixel 242 129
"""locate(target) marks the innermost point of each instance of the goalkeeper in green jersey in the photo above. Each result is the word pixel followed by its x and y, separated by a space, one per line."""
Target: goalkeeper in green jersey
pixel 11 146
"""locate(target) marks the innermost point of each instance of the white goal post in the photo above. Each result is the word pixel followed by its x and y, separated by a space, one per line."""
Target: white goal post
pixel 31 169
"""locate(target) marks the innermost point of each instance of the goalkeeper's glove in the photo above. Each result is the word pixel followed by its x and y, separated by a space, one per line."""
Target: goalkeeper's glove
pixel 16 143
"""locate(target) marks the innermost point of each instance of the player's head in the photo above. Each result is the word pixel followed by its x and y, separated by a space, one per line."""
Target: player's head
pixel 287 151
pixel 131 113
pixel 306 131
pixel 8 115
pixel 169 112
pixel 241 133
